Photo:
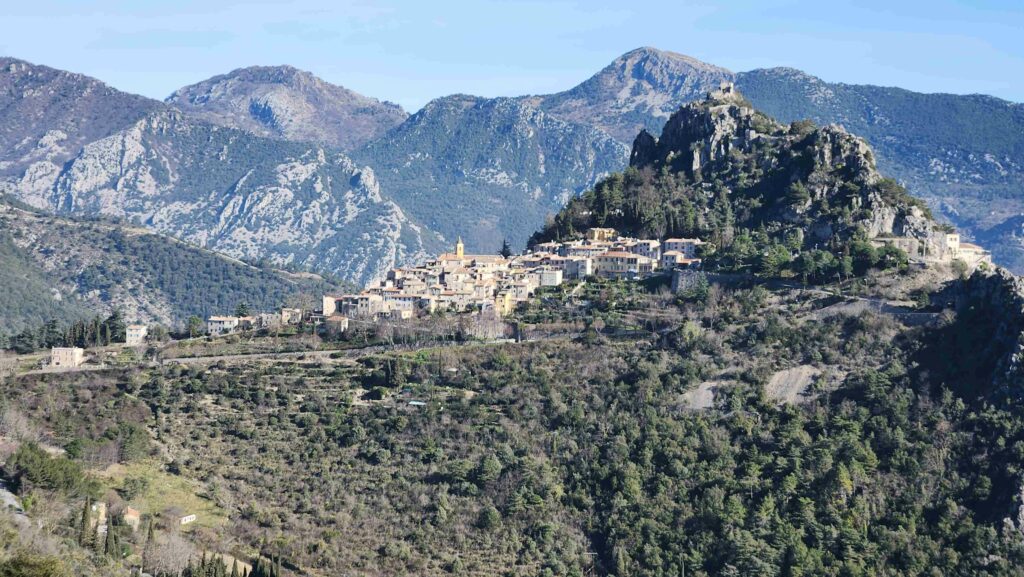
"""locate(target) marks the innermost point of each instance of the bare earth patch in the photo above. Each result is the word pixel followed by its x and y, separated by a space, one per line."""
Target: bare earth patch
pixel 789 386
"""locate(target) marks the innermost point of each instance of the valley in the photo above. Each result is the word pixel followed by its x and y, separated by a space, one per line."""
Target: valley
pixel 701 323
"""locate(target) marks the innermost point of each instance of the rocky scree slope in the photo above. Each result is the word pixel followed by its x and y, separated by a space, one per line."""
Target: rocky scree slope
pixel 284 102
pixel 245 196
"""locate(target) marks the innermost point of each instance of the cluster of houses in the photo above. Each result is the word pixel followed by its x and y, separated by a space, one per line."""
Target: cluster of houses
pixel 72 357
pixel 940 246
pixel 460 282
pixel 222 325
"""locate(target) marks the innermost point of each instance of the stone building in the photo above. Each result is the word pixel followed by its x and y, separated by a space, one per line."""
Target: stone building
pixel 135 335
pixel 218 325
pixel 67 357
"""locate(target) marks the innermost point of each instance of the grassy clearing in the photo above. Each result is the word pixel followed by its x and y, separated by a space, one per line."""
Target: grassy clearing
pixel 165 492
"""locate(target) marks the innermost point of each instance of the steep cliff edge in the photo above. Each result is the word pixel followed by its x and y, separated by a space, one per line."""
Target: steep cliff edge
pixel 982 351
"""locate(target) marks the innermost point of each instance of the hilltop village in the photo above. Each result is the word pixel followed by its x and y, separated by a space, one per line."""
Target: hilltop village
pixel 495 285
pixel 460 282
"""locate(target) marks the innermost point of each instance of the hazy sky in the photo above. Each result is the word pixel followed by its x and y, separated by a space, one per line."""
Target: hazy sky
pixel 412 51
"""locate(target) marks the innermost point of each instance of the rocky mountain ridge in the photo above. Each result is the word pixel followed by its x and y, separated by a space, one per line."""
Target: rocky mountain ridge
pixel 284 102
pixel 111 154
pixel 49 115
pixel 638 90
pixel 291 203
pixel 488 169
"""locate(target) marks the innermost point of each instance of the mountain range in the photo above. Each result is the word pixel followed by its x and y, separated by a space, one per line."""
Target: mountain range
pixel 272 162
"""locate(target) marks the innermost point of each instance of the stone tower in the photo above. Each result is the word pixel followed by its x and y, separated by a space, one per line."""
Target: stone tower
pixel 460 249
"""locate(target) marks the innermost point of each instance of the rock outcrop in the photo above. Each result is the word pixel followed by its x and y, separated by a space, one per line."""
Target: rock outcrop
pixel 996 298
pixel 824 179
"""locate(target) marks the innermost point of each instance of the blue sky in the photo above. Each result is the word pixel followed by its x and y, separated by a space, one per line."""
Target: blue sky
pixel 412 51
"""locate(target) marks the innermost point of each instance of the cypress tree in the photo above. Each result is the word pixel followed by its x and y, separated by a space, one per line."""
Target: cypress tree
pixel 98 544
pixel 234 568
pixel 83 529
pixel 148 547
pixel 110 543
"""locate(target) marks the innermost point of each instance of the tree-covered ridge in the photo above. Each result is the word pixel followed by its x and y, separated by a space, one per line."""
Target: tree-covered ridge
pixel 755 189
pixel 59 269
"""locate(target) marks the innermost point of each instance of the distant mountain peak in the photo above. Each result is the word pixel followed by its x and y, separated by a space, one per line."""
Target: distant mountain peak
pixel 281 74
pixel 48 114
pixel 638 90
pixel 666 56
pixel 288 103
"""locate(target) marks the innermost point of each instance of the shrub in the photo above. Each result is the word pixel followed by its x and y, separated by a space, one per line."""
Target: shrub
pixel 32 467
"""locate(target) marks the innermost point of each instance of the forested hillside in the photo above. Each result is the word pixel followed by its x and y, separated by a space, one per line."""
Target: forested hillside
pixel 61 269
pixel 731 431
